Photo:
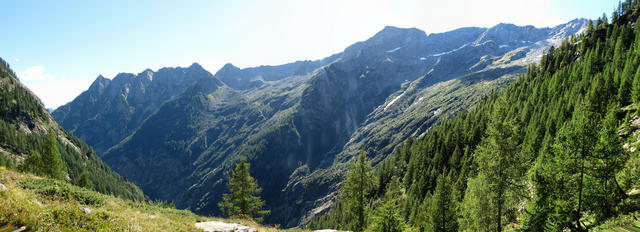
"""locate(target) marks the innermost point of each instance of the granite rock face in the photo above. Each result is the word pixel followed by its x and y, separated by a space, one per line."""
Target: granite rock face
pixel 111 110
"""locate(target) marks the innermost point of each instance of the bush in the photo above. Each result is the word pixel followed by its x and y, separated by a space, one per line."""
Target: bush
pixel 72 217
pixel 59 190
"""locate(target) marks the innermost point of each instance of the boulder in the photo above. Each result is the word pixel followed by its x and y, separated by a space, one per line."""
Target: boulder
pixel 215 226
pixel 3 188
pixel 86 210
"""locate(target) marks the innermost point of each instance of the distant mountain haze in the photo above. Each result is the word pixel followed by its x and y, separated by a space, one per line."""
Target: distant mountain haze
pixel 177 132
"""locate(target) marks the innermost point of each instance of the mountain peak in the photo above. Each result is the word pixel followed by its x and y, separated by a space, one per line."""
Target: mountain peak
pixel 227 69
pixel 99 84
pixel 195 65
pixel 230 66
pixel 394 33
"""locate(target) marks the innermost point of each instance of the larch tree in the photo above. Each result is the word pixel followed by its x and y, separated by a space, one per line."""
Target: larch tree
pixel 500 170
pixel 386 217
pixel 443 206
pixel 51 158
pixel 243 199
pixel 356 188
pixel 574 157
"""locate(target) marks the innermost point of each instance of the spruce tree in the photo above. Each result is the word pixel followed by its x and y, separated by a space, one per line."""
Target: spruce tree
pixel 243 199
pixel 355 191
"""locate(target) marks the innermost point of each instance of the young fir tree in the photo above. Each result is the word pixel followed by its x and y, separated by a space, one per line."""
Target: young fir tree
pixel 33 163
pixel 355 191
pixel 386 217
pixel 500 170
pixel 51 158
pixel 243 199
pixel 84 181
pixel 443 206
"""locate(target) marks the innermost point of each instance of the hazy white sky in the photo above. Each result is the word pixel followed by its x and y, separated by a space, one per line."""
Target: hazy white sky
pixel 58 48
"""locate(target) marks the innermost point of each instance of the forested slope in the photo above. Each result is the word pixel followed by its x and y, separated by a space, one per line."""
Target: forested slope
pixel 556 150
pixel 31 141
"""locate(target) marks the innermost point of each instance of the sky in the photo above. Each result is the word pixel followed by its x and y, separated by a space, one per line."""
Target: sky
pixel 58 48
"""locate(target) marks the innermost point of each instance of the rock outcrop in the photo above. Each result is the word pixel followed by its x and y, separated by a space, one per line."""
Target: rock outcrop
pixel 216 226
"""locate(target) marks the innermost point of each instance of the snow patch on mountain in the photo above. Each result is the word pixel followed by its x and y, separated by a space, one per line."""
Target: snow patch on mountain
pixel 394 50
pixel 393 101
pixel 454 50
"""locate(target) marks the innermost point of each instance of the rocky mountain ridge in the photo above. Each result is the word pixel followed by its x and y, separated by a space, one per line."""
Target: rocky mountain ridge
pixel 300 123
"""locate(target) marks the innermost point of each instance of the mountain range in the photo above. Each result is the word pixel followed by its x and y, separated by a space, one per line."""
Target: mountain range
pixel 177 132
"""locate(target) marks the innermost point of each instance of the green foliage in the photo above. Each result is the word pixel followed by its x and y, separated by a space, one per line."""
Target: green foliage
pixel 355 192
pixel 55 152
pixel 545 155
pixel 51 158
pixel 84 181
pixel 16 101
pixel 34 164
pixel 243 199
pixel 610 159
pixel 386 216
pixel 475 205
pixel 443 210
pixel 56 189
pixel 500 169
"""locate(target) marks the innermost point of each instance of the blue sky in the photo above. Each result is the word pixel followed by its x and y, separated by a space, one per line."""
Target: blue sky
pixel 59 47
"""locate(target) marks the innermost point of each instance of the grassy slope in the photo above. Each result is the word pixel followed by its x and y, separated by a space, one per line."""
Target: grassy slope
pixel 48 205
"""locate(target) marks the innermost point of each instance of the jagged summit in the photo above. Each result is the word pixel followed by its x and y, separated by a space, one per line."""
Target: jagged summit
pixel 116 107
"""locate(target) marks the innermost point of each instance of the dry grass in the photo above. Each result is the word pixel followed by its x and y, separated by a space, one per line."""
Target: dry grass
pixel 28 207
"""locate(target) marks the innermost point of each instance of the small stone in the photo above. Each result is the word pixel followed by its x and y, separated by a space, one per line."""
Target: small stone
pixel 85 210
pixel 635 122
pixel 3 188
